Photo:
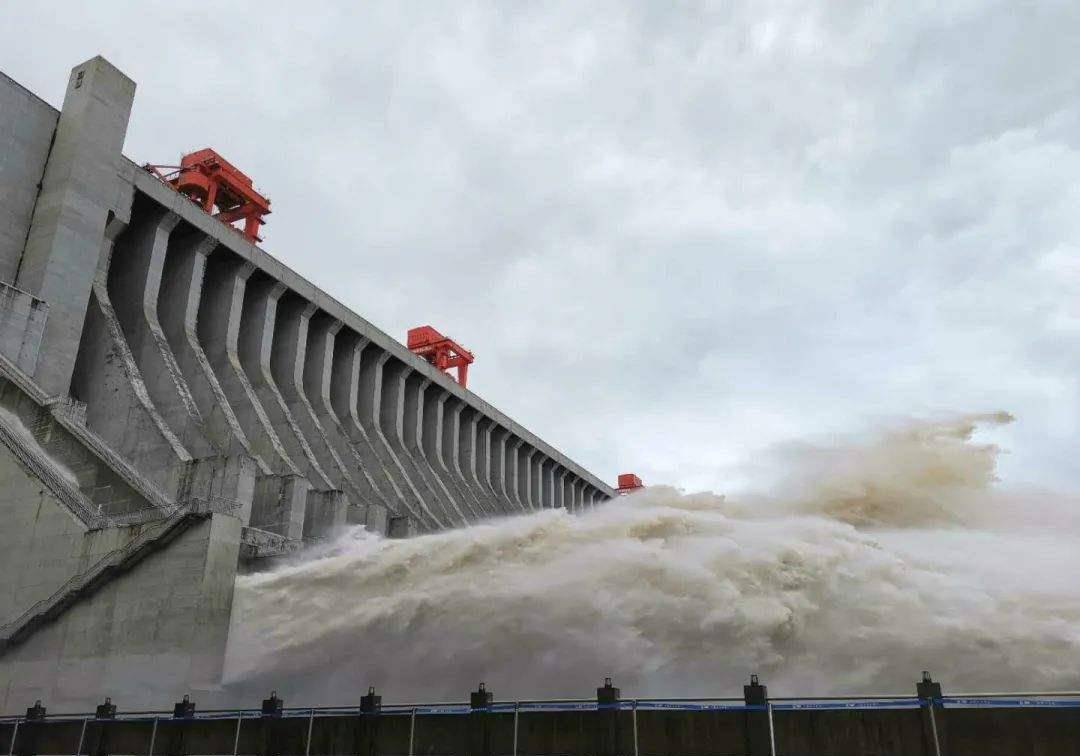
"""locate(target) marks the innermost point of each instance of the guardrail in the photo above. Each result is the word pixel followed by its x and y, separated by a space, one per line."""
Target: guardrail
pixel 755 703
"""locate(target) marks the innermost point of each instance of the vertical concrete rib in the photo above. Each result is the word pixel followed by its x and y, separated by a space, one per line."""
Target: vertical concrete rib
pixel 380 408
pixel 257 330
pixel 318 382
pixel 524 487
pixel 443 444
pixel 547 483
pixel 79 192
pixel 420 428
pixel 178 311
pixel 538 480
pixel 107 380
pixel 287 358
pixel 219 325
pixel 345 409
pixel 134 282
pixel 485 460
pixel 482 459
pixel 499 437
pixel 461 422
pixel 391 419
pixel 514 475
pixel 560 488
pixel 369 412
pixel 449 451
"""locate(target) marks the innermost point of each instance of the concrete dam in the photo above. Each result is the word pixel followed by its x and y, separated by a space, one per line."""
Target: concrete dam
pixel 176 405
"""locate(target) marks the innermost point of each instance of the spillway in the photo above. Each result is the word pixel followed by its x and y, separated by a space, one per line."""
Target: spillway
pixel 176 405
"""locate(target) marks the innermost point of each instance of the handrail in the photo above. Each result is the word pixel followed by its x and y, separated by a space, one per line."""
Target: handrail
pixel 705 703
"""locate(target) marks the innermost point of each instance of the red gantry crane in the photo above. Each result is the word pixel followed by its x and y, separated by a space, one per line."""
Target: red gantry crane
pixel 628 483
pixel 440 351
pixel 210 181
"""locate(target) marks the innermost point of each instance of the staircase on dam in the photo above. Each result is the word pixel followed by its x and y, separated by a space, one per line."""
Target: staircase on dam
pixel 177 405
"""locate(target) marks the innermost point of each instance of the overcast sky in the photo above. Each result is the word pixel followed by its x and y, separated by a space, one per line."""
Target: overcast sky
pixel 675 235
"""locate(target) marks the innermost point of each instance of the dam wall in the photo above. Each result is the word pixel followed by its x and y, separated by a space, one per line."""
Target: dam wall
pixel 177 405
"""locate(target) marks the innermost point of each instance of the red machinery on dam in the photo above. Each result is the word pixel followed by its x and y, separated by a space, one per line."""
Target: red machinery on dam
pixel 213 183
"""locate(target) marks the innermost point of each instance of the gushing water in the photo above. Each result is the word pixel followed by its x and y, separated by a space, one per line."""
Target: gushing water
pixel 864 564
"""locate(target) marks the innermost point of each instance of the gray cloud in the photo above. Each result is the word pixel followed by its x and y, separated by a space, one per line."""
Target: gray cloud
pixel 674 236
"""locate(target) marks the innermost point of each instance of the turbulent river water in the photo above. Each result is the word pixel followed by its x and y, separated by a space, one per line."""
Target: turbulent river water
pixel 864 563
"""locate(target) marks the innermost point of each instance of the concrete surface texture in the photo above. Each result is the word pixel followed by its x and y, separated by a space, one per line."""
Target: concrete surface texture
pixel 177 405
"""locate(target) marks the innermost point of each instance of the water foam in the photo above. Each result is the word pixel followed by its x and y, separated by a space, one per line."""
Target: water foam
pixel 865 564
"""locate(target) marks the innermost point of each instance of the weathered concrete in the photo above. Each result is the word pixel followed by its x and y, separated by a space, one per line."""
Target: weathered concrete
pixel 168 617
pixel 107 380
pixel 392 376
pixel 280 503
pixel 178 312
pixel 256 345
pixel 134 285
pixel 22 325
pixel 428 411
pixel 317 381
pixel 325 515
pixel 175 400
pixel 355 392
pixel 79 191
pixel 219 335
pixel 27 126
pixel 287 359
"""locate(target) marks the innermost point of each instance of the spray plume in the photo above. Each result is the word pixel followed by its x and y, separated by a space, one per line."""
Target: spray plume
pixel 867 562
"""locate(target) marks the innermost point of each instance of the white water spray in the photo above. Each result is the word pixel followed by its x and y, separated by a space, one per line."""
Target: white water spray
pixel 868 563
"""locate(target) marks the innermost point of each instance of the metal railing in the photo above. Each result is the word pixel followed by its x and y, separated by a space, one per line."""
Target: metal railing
pixel 519 708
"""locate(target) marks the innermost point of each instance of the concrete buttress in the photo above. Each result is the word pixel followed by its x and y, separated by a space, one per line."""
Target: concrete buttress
pixel 176 405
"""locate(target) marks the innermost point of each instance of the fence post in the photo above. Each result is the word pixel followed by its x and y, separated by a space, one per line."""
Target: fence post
pixel 370 707
pixel 82 736
pixel 35 717
pixel 929 695
pixel 634 711
pixel 772 731
pixel 310 723
pixel 104 713
pixel 607 719
pixel 183 710
pixel 478 734
pixel 517 705
pixel 153 737
pixel 412 729
pixel 236 735
pixel 14 735
pixel 272 709
pixel 756 699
